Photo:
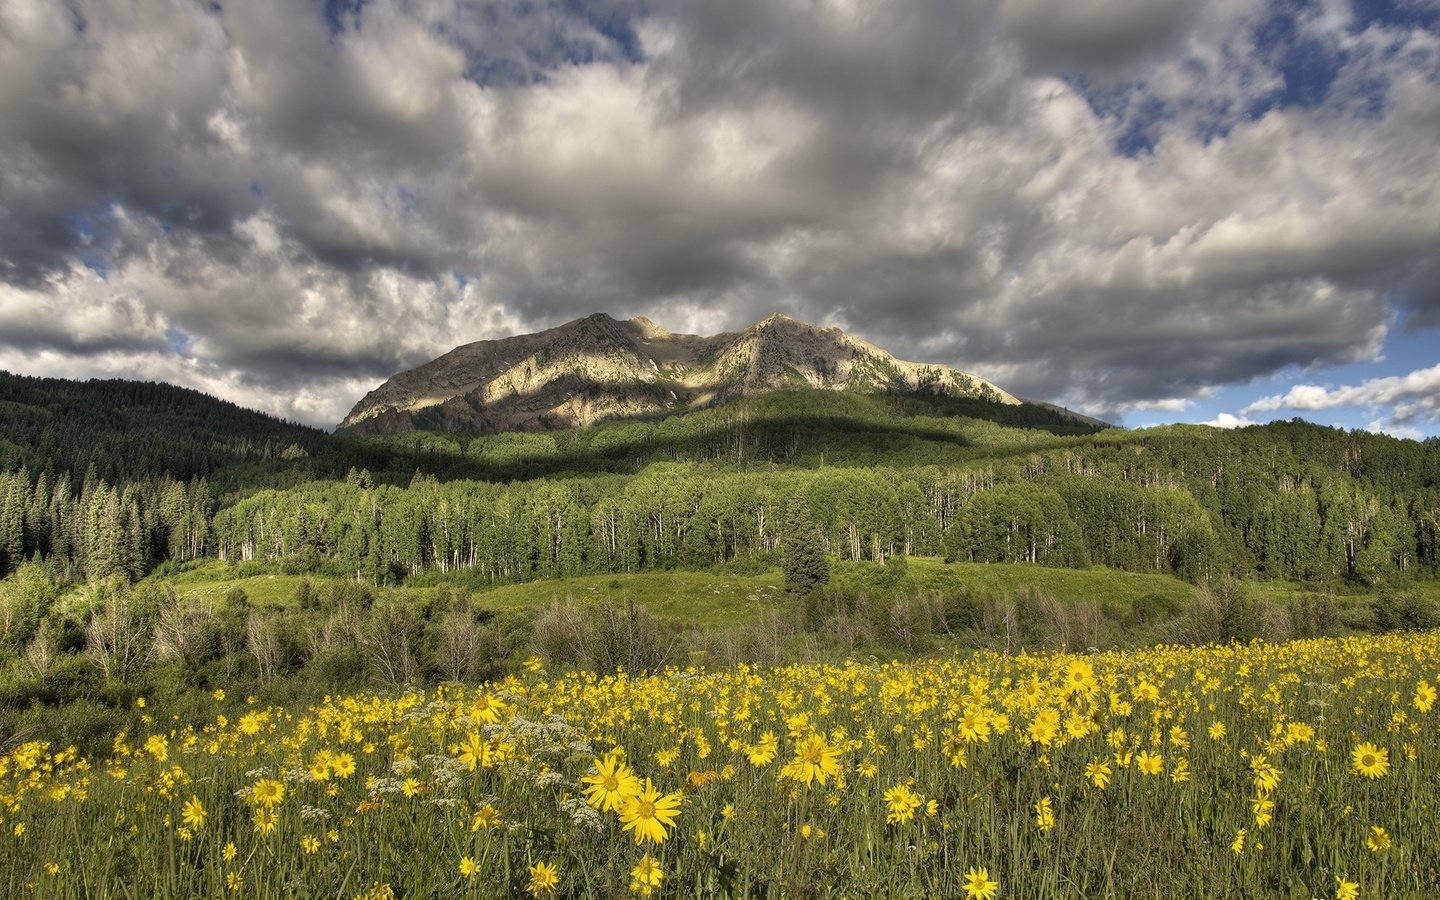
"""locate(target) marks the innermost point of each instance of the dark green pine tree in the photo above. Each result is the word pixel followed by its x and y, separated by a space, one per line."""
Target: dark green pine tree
pixel 802 551
pixel 14 492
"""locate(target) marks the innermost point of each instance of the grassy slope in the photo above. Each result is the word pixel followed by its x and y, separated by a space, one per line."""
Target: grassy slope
pixel 1111 589
pixel 211 580
pixel 709 599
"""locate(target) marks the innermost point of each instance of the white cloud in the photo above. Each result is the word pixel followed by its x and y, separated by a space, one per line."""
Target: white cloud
pixel 1226 420
pixel 1165 404
pixel 1380 426
pixel 308 206
pixel 1412 397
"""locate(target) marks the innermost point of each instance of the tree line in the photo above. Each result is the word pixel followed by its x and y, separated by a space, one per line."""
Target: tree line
pixel 173 475
pixel 1129 507
pixel 101 530
pixel 1193 508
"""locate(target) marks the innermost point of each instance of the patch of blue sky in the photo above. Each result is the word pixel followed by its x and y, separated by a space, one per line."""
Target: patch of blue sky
pixel 552 35
pixel 341 15
pixel 1403 353
pixel 177 340
pixel 94 233
pixel 615 24
pixel 1306 65
pixel 611 35
pixel 1404 13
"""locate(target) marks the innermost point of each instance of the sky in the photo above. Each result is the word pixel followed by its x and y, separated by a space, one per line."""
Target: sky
pixel 1145 210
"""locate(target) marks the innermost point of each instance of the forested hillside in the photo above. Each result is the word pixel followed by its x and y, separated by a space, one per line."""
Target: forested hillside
pixel 111 478
pixel 1286 501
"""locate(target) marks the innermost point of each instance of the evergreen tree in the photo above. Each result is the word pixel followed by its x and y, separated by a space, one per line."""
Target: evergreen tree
pixel 802 553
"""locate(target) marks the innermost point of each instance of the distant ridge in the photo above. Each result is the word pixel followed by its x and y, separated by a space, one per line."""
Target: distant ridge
pixel 600 368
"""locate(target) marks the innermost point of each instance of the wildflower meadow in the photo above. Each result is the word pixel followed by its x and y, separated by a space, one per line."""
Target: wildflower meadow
pixel 1300 769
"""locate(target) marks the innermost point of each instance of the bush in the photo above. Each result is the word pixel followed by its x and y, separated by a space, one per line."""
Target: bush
pixel 1314 615
pixel 605 636
pixel 626 636
pixel 963 611
pixel 1407 611
pixel 1151 608
pixel 87 725
pixel 1222 611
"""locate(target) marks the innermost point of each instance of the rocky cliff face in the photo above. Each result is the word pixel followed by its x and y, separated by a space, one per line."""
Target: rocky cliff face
pixel 599 368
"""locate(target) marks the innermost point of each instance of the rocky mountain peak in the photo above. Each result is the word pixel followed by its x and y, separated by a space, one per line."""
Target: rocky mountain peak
pixel 648 328
pixel 599 368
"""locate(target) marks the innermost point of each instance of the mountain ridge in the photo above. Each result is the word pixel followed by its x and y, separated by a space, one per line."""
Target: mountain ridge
pixel 598 368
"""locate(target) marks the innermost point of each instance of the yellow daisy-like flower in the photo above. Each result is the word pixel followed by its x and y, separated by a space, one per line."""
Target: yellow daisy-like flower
pixel 1263 808
pixel 319 768
pixel 815 760
pixel 1370 760
pixel 486 816
pixel 234 881
pixel 487 709
pixel 1378 839
pixel 468 867
pixel 975 726
pixel 544 878
pixel 978 885
pixel 1097 773
pixel 229 852
pixel 342 765
pixel 478 752
pixel 193 813
pixel 1266 775
pixel 903 803
pixel 646 877
pixel 1080 678
pixel 1238 845
pixel 762 752
pixel 267 792
pixel 1216 731
pixel 1150 763
pixel 1346 890
pixel 310 844
pixel 265 821
pixel 1424 696
pixel 1181 773
pixel 648 813
pixel 1045 726
pixel 1044 814
pixel 611 784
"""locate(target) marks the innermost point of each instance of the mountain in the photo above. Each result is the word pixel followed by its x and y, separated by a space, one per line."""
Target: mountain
pixel 599 368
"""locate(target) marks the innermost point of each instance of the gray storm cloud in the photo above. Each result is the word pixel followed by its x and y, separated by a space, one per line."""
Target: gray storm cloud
pixel 284 207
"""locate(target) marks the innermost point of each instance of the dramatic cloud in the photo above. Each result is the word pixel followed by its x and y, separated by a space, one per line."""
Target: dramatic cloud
pixel 1113 204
